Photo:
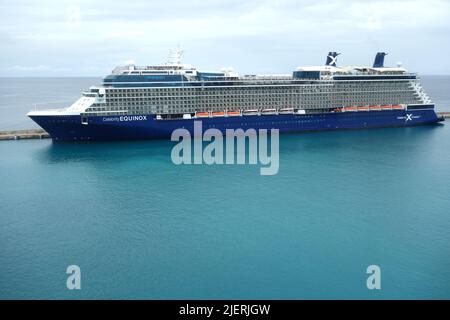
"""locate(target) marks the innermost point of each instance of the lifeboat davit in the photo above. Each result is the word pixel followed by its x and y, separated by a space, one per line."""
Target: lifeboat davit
pixel 286 111
pixel 250 112
pixel 269 111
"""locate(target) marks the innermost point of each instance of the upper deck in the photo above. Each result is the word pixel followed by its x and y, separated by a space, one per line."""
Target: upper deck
pixel 176 74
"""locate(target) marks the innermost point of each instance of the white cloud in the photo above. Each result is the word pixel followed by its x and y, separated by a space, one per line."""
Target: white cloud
pixel 73 16
pixel 29 68
pixel 255 18
pixel 37 68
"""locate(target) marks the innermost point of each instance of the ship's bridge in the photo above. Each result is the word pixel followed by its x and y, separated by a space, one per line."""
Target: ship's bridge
pixel 172 73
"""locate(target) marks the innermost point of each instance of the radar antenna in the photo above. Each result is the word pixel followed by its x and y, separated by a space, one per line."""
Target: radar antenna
pixel 175 57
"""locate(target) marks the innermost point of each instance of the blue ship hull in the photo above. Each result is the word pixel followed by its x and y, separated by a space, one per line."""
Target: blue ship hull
pixel 70 128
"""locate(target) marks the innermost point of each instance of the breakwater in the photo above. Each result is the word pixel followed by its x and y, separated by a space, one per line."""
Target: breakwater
pixel 23 134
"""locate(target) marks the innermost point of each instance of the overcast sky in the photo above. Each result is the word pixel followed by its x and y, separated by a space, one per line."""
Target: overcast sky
pixel 90 37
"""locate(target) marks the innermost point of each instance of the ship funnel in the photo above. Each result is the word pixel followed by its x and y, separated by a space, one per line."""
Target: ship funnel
pixel 331 59
pixel 379 60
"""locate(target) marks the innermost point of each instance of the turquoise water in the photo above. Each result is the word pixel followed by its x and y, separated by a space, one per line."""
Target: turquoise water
pixel 140 227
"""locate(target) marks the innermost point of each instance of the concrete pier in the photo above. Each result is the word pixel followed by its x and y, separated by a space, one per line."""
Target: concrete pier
pixel 24 134
pixel 446 115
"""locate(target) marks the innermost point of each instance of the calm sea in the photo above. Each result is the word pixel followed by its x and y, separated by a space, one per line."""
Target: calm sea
pixel 140 227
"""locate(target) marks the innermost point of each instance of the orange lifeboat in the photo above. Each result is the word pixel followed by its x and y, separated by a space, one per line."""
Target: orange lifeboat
pixel 386 107
pixel 202 114
pixel 351 108
pixel 397 107
pixel 372 108
pixel 233 113
pixel 364 108
pixel 218 114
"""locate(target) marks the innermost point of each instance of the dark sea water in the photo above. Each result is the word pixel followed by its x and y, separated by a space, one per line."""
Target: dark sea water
pixel 141 227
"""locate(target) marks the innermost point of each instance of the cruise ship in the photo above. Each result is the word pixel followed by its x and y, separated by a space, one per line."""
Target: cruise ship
pixel 150 102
